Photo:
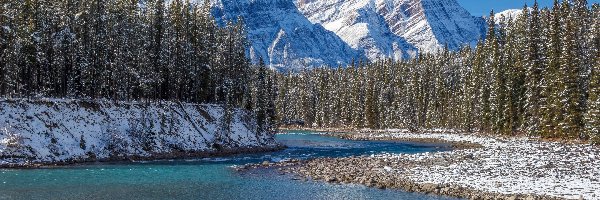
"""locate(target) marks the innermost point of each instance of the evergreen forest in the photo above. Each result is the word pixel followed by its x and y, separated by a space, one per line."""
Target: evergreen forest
pixel 537 74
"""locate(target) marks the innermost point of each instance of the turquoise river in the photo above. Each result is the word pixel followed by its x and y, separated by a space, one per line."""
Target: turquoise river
pixel 208 178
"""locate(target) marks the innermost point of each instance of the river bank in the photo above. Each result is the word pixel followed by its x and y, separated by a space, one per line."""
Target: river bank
pixel 206 178
pixel 496 168
pixel 155 157
pixel 51 132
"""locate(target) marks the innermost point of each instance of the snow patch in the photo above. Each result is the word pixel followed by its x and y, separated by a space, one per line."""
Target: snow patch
pixel 509 165
pixel 53 130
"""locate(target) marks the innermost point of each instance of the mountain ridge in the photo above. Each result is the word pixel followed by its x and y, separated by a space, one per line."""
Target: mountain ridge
pixel 283 37
pixel 297 34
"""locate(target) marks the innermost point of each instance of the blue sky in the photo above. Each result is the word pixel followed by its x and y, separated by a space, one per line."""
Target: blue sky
pixel 483 7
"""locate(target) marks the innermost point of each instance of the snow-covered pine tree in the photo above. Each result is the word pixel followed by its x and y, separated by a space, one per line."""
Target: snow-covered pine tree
pixel 28 36
pixel 503 82
pixel 371 110
pixel 197 54
pixel 6 39
pixel 174 75
pixel 583 53
pixel 469 90
pixel 156 16
pixel 475 88
pixel 570 126
pixel 98 75
pixel 592 116
pixel 534 67
pixel 262 96
pixel 47 71
pixel 358 95
pixel 271 108
pixel 498 74
pixel 11 58
pixel 518 32
pixel 121 33
pixel 75 42
pixel 550 109
pixel 487 94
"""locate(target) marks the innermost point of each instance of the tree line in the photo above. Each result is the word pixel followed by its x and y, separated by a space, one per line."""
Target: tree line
pixel 537 74
pixel 129 50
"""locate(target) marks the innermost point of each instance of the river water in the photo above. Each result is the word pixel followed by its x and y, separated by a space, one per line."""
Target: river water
pixel 207 178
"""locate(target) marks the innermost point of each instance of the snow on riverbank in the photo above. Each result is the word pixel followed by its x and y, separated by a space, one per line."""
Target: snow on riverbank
pixel 507 165
pixel 51 130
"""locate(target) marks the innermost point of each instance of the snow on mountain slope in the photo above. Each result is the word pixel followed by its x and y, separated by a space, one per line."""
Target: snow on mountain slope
pixel 511 13
pixel 376 25
pixel 508 14
pixel 43 131
pixel 293 34
pixel 360 24
pixel 280 34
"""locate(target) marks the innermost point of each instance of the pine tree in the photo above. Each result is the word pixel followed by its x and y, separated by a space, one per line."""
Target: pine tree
pixel 160 72
pixel 534 68
pixel 582 24
pixel 550 108
pixel 64 61
pixel 263 96
pixel 469 91
pixel 570 126
pixel 496 118
pixel 6 39
pixel 503 82
pixel 592 116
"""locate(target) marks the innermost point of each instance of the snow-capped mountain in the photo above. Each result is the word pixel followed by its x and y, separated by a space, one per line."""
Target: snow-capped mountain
pixel 509 14
pixel 364 25
pixel 291 34
pixel 283 37
pixel 375 25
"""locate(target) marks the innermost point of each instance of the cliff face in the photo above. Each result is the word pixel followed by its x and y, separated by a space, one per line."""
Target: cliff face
pixel 49 131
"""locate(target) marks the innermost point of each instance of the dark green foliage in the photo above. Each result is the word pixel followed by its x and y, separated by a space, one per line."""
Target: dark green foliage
pixel 128 50
pixel 115 49
pixel 592 117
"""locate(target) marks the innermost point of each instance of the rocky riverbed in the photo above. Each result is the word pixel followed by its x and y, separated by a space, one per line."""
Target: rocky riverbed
pixel 493 168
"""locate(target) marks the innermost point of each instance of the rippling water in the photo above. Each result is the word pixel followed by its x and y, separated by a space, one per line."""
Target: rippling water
pixel 206 178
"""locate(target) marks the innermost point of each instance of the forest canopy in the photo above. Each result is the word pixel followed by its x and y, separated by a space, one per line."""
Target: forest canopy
pixel 129 51
pixel 536 74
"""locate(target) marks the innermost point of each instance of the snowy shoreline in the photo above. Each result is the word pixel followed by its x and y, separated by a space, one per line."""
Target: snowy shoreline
pixel 46 132
pixel 502 168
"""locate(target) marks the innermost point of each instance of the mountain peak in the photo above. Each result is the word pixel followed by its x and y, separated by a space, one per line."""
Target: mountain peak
pixel 427 25
pixel 283 37
pixel 292 34
pixel 509 14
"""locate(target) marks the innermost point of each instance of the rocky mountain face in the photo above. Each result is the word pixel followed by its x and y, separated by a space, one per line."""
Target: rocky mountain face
pixel 283 36
pixel 293 34
pixel 377 25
